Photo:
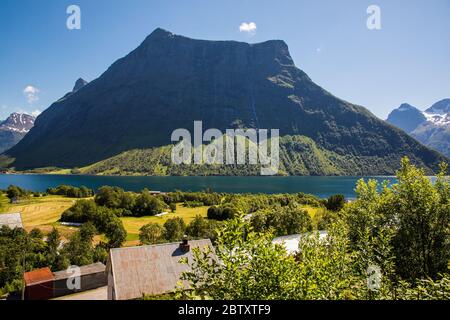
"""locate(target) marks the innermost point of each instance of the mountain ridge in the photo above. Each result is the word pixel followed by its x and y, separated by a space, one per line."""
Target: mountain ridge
pixel 170 81
pixel 431 127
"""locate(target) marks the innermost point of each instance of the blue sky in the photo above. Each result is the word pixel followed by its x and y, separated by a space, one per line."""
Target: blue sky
pixel 408 60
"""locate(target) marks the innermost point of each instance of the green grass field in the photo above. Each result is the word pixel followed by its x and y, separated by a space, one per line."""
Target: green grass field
pixel 44 212
pixel 133 224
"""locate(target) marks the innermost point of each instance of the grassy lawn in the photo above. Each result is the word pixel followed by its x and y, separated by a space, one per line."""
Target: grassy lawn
pixel 42 213
pixel 133 224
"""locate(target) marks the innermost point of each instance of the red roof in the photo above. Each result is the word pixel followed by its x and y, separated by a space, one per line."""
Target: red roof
pixel 38 276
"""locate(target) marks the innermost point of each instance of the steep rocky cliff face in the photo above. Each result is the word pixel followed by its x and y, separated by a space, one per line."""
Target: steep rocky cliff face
pixel 169 81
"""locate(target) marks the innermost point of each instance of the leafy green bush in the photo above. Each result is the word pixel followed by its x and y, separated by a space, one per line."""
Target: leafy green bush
pixel 335 202
pixel 152 233
pixel 174 229
pixel 221 213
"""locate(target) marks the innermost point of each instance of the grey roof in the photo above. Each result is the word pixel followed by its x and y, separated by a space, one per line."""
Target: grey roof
pixel 84 270
pixel 291 242
pixel 152 269
pixel 12 220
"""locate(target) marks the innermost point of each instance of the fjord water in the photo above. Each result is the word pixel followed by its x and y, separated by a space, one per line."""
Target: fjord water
pixel 320 186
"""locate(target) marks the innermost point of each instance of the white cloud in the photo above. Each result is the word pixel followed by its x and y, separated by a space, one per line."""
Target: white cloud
pixel 249 28
pixel 36 112
pixel 31 93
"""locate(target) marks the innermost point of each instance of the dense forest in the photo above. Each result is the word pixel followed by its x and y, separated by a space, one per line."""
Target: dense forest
pixel 299 155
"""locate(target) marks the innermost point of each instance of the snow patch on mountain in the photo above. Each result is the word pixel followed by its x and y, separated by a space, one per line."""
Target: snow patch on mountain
pixel 437 118
pixel 18 122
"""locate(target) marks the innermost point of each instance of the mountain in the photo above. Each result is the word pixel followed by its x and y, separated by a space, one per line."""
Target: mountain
pixel 431 127
pixel 440 107
pixel 80 83
pixel 406 117
pixel 170 81
pixel 14 128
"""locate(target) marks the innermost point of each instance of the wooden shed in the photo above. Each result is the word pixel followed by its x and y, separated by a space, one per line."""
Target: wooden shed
pixel 92 276
pixel 38 284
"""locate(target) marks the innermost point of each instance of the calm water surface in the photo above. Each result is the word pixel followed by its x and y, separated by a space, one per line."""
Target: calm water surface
pixel 319 186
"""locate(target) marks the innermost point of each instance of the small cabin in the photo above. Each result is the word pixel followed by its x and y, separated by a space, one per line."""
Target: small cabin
pixel 38 284
pixel 43 284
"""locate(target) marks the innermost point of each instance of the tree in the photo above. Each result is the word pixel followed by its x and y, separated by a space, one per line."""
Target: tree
pixel 70 191
pixel 151 233
pixel 14 192
pixel 248 266
pixel 115 232
pixel 109 196
pixel 81 211
pixel 202 228
pixel 221 212
pixel 407 223
pixel 174 229
pixel 291 219
pixel 80 251
pixel 53 242
pixel 104 219
pixel 335 202
pixel 148 205
pixel 422 242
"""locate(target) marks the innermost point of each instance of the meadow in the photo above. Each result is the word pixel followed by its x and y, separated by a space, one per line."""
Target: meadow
pixel 44 212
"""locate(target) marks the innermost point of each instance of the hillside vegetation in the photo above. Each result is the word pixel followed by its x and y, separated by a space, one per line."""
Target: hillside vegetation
pixel 299 155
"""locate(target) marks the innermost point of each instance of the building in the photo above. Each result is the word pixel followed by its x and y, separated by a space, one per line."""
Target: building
pixel 38 284
pixel 292 241
pixel 43 284
pixel 11 220
pixel 92 276
pixel 152 269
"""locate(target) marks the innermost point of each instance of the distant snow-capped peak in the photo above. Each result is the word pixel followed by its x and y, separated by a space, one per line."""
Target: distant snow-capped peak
pixel 18 122
pixel 439 113
pixel 437 118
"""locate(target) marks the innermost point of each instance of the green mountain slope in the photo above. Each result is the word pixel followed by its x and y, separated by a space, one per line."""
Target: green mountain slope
pixel 299 155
